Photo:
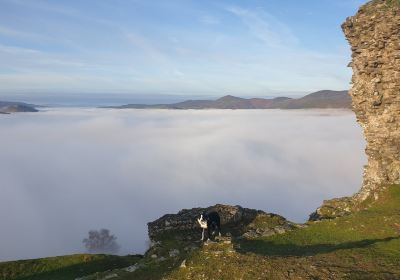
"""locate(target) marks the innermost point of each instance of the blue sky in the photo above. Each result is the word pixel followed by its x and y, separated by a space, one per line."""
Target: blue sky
pixel 183 47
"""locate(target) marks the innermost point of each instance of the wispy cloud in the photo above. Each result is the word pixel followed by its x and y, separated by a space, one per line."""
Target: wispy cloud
pixel 148 48
pixel 216 49
pixel 46 6
pixel 155 54
pixel 209 20
pixel 29 59
pixel 264 26
pixel 11 32
pixel 18 50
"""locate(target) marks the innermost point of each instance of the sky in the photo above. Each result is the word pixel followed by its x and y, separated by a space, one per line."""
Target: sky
pixel 87 169
pixel 175 47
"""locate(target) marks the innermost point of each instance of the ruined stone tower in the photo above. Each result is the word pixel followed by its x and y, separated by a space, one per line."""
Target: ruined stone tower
pixel 374 36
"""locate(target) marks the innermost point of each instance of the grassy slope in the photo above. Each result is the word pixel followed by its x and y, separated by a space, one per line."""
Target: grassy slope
pixel 364 245
pixel 65 267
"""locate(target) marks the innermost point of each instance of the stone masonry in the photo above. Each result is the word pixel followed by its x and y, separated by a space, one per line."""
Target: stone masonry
pixel 374 36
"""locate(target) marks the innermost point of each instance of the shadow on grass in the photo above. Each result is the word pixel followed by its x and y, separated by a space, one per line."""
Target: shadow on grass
pixel 51 271
pixel 269 248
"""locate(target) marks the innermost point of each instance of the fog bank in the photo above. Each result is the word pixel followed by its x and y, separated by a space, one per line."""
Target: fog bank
pixel 66 171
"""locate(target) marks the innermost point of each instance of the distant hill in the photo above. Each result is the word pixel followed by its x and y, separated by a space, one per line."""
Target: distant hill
pixel 7 107
pixel 319 99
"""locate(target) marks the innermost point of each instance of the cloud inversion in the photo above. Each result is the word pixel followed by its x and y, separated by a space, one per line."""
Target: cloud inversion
pixel 67 171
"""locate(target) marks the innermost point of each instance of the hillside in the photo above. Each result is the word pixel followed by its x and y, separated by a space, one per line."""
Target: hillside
pixel 63 267
pixel 351 238
pixel 320 99
pixel 7 107
pixel 363 245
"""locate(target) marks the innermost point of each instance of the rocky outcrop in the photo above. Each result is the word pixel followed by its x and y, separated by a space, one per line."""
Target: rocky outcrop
pixel 374 36
pixel 235 221
pixel 173 236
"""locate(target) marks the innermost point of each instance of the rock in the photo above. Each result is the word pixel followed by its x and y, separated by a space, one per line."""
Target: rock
pixel 235 220
pixel 190 248
pixel 174 253
pixel 373 34
pixel 110 276
pixel 224 239
pixel 154 256
pixel 154 243
pixel 279 229
pixel 183 264
pixel 383 138
pixel 132 268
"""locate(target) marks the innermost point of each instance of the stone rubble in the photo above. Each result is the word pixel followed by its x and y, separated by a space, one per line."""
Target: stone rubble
pixel 236 219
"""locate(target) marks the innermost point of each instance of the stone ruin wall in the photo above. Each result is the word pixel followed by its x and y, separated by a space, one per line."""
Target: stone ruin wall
pixel 374 37
pixel 236 220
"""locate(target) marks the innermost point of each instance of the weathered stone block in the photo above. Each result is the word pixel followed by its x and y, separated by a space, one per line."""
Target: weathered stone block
pixel 374 37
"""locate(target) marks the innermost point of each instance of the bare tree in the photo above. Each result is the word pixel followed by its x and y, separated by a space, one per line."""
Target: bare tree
pixel 100 241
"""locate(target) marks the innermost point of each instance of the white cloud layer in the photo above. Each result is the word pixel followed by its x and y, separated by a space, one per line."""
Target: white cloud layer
pixel 66 171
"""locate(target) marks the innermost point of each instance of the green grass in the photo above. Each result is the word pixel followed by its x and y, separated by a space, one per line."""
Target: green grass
pixel 266 221
pixel 65 267
pixel 363 245
pixel 360 230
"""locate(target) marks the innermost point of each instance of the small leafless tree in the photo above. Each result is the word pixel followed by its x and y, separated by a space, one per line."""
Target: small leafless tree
pixel 100 241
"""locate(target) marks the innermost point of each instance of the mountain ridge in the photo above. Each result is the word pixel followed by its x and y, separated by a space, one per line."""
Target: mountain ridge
pixel 321 99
